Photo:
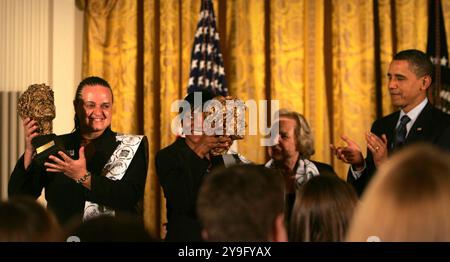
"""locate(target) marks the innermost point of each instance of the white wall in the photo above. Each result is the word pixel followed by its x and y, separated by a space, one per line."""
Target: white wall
pixel 24 43
pixel 67 41
pixel 41 42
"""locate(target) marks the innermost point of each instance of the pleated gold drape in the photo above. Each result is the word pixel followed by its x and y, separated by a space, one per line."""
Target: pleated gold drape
pixel 316 57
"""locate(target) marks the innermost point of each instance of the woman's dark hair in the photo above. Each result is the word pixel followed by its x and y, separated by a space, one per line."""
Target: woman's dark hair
pixel 323 208
pixel 89 81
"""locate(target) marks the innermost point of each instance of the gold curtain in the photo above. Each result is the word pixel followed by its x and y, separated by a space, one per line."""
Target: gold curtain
pixel 446 13
pixel 297 65
pixel 244 38
pixel 353 71
pixel 316 57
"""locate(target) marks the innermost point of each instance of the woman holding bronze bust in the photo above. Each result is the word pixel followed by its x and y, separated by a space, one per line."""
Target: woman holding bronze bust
pixel 97 172
pixel 182 166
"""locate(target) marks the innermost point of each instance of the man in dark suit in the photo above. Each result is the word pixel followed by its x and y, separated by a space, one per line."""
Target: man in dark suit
pixel 410 76
pixel 290 154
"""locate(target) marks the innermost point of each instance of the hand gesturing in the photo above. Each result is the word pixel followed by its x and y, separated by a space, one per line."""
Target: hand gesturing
pixel 74 169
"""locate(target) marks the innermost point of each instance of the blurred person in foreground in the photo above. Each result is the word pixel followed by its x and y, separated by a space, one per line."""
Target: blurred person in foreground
pixel 242 203
pixel 23 219
pixel 120 228
pixel 322 210
pixel 408 200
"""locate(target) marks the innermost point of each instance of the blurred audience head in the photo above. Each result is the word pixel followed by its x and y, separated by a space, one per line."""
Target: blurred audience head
pixel 242 203
pixel 408 199
pixel 23 219
pixel 323 208
pixel 121 228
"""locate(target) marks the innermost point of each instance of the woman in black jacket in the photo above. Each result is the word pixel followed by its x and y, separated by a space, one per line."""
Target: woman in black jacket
pixel 98 172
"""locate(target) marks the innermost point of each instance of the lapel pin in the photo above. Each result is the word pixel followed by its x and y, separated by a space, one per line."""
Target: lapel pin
pixel 419 129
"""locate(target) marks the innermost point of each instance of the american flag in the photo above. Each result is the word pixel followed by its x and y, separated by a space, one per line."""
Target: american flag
pixel 207 70
pixel 438 52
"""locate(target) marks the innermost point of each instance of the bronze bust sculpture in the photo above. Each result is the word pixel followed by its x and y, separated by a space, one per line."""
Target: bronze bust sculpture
pixel 37 103
pixel 234 128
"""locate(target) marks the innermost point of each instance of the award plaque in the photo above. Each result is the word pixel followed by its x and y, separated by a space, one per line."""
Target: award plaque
pixel 37 103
